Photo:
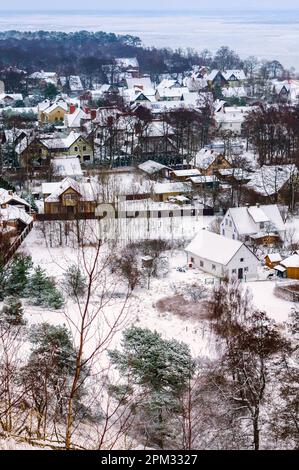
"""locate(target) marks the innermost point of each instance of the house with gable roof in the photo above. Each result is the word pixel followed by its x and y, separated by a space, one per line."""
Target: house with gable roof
pixel 69 197
pixel 222 257
pixel 260 224
pixel 209 161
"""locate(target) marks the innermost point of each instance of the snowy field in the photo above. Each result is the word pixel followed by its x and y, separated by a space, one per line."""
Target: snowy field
pixel 141 308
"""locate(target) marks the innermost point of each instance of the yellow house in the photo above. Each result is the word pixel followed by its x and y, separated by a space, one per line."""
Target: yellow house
pixel 41 150
pixel 73 144
pixel 52 112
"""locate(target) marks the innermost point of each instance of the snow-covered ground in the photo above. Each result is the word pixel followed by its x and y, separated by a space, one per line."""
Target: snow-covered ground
pixel 141 309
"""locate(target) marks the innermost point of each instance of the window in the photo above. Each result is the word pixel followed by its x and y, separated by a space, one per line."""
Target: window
pixel 223 232
pixel 230 223
pixel 234 271
pixel 246 270
pixel 213 267
pixel 234 236
pixel 192 260
pixel 70 197
pixel 241 260
pixel 76 149
pixel 262 225
pixel 86 158
pixel 201 264
pixel 84 147
pixel 226 222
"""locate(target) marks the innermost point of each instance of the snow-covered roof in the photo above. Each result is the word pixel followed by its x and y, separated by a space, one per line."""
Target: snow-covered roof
pixel 6 198
pixel 237 173
pixel 204 158
pixel 12 96
pixel 239 74
pixel 75 83
pixel 151 167
pixel 15 213
pixel 61 143
pixel 274 257
pixel 167 83
pixel 48 188
pixel 58 104
pixel 173 92
pixel 280 268
pixel 127 62
pixel 243 218
pixel 234 92
pixel 74 119
pixel 202 179
pixel 186 173
pixel 270 179
pixel 43 75
pixel 165 188
pixel 141 83
pixel 257 214
pixel 291 261
pixel 212 75
pixel 67 166
pixel 214 247
pixel 85 190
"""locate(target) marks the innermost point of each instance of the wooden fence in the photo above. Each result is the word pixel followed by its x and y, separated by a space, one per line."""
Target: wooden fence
pixel 17 243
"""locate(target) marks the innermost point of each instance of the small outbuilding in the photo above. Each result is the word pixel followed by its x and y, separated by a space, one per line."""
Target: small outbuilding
pixel 291 264
pixel 272 260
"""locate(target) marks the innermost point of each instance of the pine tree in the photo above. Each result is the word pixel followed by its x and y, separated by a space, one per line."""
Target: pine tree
pixel 12 313
pixel 48 374
pixel 18 275
pixel 158 370
pixel 42 290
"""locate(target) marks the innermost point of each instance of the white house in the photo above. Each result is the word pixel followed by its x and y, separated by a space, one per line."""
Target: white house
pixel 253 223
pixel 231 118
pixel 222 257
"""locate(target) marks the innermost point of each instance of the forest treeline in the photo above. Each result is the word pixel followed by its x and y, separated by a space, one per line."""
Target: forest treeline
pixel 76 52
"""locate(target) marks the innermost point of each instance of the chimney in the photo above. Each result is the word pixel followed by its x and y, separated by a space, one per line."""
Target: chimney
pixel 72 108
pixel 93 113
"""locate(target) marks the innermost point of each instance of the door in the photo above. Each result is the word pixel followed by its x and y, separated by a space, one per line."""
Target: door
pixel 240 273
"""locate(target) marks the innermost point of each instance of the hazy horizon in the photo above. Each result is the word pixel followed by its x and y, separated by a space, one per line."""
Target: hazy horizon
pixel 269 34
pixel 161 5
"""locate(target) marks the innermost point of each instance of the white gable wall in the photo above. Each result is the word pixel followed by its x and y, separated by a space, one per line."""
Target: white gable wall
pixel 228 228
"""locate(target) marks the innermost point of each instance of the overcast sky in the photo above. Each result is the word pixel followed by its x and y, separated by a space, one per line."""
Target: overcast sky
pixel 147 4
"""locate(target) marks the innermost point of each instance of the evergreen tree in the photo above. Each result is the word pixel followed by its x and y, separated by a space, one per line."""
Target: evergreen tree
pixel 12 312
pixel 49 370
pixel 75 282
pixel 158 370
pixel 50 91
pixel 42 290
pixel 18 275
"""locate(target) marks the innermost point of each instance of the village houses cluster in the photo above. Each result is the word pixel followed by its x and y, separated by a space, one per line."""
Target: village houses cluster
pixel 178 140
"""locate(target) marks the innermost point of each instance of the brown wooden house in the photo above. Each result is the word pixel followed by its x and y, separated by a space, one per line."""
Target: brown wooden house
pixel 69 198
